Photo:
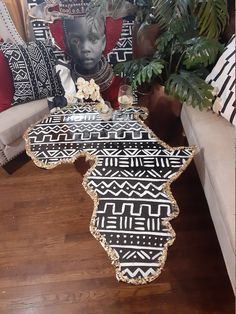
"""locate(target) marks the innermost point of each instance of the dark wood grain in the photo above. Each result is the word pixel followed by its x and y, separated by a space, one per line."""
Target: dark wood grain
pixel 51 264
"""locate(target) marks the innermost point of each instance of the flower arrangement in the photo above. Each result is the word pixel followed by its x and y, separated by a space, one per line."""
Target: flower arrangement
pixel 88 89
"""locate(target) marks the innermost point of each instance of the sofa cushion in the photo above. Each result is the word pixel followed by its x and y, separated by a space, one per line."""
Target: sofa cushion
pixel 33 71
pixel 215 162
pixel 6 84
pixel 215 139
pixel 15 120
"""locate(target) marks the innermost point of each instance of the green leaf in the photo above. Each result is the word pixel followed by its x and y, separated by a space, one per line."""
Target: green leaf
pixel 181 7
pixel 149 73
pixel 163 40
pixel 130 69
pixel 201 51
pixel 212 16
pixel 144 75
pixel 184 27
pixel 118 68
pixel 139 78
pixel 164 11
pixel 190 89
pixel 151 70
pixel 157 66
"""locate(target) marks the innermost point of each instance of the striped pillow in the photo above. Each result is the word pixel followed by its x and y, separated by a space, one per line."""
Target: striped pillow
pixel 222 78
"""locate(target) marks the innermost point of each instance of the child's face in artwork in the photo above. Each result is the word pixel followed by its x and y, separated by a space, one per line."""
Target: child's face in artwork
pixel 85 46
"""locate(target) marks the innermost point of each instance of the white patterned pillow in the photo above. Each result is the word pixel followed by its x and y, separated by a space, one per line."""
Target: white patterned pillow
pixel 33 71
pixel 222 78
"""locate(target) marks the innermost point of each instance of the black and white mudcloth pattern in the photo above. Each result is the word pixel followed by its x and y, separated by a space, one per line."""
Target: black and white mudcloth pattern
pixel 129 182
pixel 123 51
pixel 222 78
pixel 33 71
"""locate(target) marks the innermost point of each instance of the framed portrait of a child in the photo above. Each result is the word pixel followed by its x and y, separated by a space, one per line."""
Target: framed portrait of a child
pixel 93 46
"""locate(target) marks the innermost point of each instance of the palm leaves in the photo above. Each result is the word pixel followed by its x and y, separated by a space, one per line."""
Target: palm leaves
pixel 162 12
pixel 165 11
pixel 212 16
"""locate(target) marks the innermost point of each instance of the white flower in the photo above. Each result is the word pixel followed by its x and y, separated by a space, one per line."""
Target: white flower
pixel 102 107
pixel 97 88
pixel 69 98
pixel 92 82
pixel 95 96
pixel 80 95
pixel 88 90
pixel 80 81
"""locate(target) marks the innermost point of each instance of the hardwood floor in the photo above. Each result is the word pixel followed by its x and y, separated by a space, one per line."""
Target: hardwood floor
pixel 51 264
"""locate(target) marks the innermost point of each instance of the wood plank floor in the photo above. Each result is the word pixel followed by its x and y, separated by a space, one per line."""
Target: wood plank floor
pixel 51 264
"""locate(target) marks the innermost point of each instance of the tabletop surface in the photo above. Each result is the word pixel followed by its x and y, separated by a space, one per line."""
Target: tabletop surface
pixel 129 181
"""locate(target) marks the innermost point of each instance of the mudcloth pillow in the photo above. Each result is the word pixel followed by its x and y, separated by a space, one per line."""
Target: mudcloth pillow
pixel 222 78
pixel 33 71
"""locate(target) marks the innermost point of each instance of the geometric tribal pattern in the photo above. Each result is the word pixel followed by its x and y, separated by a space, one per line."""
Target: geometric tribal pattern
pixel 222 78
pixel 123 50
pixel 129 182
pixel 33 71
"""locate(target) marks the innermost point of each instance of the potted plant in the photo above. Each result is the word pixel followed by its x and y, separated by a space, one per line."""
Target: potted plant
pixel 187 45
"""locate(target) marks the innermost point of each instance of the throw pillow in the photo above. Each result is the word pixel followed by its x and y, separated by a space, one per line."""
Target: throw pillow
pixel 222 78
pixel 6 84
pixel 33 71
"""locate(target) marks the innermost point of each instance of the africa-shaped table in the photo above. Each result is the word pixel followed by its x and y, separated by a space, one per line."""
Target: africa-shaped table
pixel 129 181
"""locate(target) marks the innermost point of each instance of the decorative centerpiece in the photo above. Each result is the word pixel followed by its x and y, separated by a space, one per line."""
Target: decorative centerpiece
pixel 89 90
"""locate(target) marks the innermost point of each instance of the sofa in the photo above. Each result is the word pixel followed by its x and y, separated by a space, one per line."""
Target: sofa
pixel 13 123
pixel 28 78
pixel 214 138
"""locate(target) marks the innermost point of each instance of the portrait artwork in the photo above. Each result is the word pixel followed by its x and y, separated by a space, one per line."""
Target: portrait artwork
pixel 91 46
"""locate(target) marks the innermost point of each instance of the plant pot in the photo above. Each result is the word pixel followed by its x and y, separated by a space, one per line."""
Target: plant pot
pixel 164 114
pixel 145 89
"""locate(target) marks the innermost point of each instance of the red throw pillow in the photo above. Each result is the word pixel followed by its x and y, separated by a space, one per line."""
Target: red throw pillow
pixel 56 29
pixel 6 84
pixel 113 33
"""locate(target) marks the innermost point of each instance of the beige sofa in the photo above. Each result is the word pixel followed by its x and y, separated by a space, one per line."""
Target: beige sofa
pixel 215 162
pixel 13 123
